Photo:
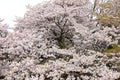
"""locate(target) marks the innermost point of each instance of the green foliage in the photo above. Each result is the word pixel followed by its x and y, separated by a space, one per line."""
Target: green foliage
pixel 113 49
pixel 64 75
pixel 62 45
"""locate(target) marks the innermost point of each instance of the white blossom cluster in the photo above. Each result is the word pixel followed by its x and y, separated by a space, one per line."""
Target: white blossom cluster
pixel 62 64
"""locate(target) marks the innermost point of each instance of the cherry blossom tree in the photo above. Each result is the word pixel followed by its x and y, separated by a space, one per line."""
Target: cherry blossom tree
pixel 58 19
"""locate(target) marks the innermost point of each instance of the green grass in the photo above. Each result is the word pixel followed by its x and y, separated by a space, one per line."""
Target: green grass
pixel 114 49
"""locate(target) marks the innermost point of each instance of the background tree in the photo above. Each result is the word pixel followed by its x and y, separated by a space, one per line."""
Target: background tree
pixel 107 12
